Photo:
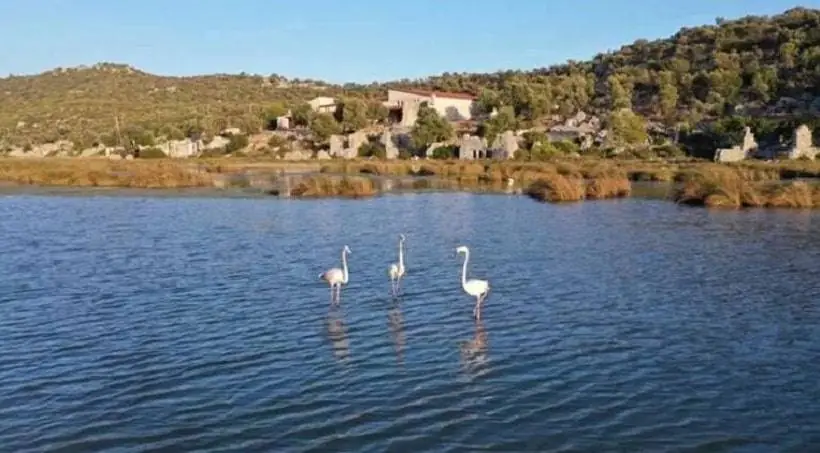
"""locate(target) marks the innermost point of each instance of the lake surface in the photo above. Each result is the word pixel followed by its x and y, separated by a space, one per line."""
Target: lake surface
pixel 199 324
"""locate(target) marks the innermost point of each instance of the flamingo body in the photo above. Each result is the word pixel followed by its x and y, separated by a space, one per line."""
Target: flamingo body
pixel 333 276
pixel 396 271
pixel 337 277
pixel 474 287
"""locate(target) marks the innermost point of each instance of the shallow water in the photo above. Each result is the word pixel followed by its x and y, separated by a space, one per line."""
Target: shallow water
pixel 199 324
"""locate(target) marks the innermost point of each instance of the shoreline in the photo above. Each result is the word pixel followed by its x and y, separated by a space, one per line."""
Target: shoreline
pixel 748 184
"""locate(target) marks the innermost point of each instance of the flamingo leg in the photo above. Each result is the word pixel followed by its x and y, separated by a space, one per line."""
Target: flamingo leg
pixel 479 304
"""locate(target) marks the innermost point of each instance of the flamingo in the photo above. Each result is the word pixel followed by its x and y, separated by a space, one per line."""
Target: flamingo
pixel 396 271
pixel 336 277
pixel 474 287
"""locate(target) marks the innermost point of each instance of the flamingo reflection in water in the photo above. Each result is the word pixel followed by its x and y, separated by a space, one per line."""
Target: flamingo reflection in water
pixel 474 352
pixel 337 334
pixel 395 322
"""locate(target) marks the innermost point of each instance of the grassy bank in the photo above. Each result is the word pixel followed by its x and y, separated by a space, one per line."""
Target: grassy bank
pixel 703 183
pixel 527 172
pixel 102 173
pixel 733 188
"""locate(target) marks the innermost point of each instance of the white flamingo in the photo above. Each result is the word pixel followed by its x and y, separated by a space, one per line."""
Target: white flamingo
pixel 337 277
pixel 396 271
pixel 474 287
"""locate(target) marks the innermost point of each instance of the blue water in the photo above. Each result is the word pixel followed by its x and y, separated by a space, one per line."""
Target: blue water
pixel 199 324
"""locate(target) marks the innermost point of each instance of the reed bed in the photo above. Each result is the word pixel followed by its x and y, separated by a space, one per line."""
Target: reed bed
pixel 102 173
pixel 750 183
pixel 736 187
pixel 595 185
pixel 321 186
pixel 557 189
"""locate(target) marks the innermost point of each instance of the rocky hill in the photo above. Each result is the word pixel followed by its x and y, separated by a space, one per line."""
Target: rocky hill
pixel 751 66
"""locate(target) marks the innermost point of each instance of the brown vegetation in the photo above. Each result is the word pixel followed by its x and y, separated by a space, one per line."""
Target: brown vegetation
pixel 736 187
pixel 320 186
pixel 702 183
pixel 102 173
pixel 556 189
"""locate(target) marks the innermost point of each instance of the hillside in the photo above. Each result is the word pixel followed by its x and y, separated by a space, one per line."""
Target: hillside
pixel 748 65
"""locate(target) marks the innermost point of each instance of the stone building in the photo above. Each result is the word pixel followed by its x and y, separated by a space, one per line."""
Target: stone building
pixel 504 146
pixel 323 104
pixel 347 147
pixel 452 106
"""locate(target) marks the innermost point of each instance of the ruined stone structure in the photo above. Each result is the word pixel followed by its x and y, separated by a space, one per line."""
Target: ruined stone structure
pixel 323 104
pixel 282 123
pixel 738 153
pixel 181 148
pixel 802 144
pixel 472 147
pixel 504 146
pixel 337 145
pixel 391 151
pixel 347 148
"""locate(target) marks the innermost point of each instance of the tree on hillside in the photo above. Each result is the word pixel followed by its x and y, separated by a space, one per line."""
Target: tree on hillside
pixel 668 93
pixel 324 125
pixel 272 112
pixel 430 128
pixel 504 120
pixel 627 128
pixel 302 115
pixel 376 111
pixel 352 114
pixel 751 62
pixel 487 101
pixel 620 92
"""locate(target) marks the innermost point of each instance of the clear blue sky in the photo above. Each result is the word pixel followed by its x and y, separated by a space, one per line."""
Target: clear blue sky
pixel 337 40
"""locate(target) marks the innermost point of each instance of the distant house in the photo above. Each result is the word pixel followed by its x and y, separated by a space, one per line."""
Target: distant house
pixel 323 104
pixel 453 106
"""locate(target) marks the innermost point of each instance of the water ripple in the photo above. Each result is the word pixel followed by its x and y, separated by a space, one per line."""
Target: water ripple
pixel 626 326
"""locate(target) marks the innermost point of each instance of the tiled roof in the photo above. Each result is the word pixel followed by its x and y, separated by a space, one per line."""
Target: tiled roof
pixel 438 94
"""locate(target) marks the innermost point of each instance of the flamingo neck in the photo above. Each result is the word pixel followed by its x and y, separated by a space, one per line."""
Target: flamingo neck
pixel 344 267
pixel 464 269
pixel 401 255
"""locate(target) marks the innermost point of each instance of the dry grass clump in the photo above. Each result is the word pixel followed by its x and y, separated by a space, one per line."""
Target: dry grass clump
pixel 730 187
pixel 606 181
pixel 608 187
pixel 557 188
pixel 715 186
pixel 320 186
pixel 788 169
pixel 103 173
pixel 798 194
